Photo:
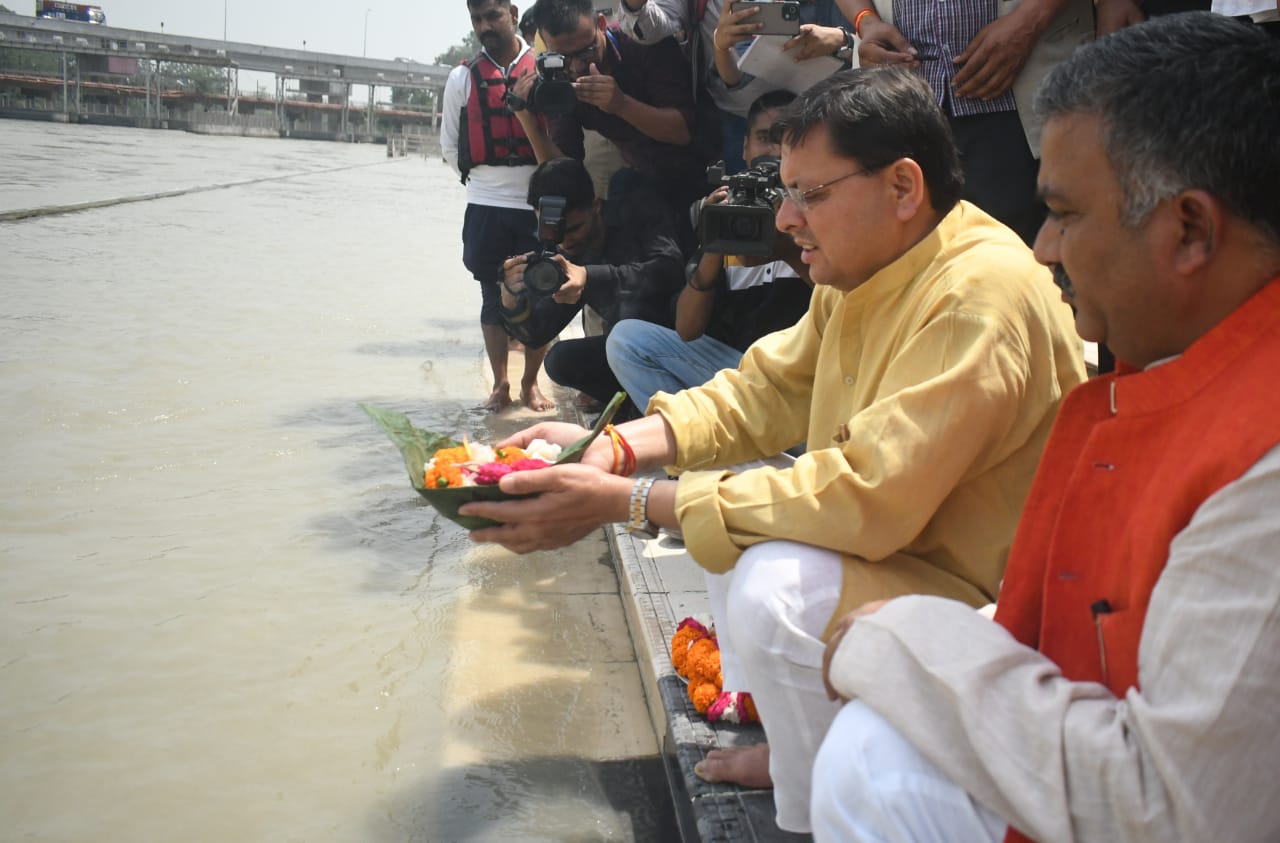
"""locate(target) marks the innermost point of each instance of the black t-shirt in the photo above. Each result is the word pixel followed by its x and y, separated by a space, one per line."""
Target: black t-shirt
pixel 637 276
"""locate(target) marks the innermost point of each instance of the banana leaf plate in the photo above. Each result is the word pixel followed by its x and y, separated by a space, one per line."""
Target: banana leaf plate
pixel 417 446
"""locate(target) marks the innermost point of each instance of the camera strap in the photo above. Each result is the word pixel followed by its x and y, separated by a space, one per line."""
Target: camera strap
pixel 613 42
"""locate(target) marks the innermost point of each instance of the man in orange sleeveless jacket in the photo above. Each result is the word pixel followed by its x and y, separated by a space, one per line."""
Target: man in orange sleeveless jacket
pixel 1126 689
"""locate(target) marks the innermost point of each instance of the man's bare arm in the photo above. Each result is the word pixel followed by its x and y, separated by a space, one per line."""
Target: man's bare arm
pixel 991 62
pixel 544 148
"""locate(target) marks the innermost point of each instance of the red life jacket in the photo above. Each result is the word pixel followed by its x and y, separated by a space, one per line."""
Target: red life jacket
pixel 489 131
pixel 1131 458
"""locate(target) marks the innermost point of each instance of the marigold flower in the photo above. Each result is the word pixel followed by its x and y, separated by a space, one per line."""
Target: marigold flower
pixel 509 454
pixel 703 662
pixel 680 648
pixel 688 631
pixel 443 476
pixel 452 455
pixel 703 696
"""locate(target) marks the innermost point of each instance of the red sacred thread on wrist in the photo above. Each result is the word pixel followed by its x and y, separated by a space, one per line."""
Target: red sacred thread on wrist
pixel 624 458
pixel 629 466
pixel 617 448
pixel 857 20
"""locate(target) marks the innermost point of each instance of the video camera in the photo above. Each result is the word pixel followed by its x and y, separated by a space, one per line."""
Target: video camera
pixel 542 275
pixel 552 93
pixel 744 223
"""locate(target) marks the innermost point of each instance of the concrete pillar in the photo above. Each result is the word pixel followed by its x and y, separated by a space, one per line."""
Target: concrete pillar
pixel 346 106
pixel 280 112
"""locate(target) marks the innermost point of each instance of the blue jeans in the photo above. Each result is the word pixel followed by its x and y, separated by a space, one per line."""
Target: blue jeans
pixel 648 358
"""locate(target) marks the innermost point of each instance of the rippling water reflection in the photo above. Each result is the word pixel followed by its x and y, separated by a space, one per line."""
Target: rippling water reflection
pixel 226 616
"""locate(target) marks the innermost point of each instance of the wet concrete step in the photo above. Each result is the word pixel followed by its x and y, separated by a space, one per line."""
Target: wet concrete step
pixel 661 585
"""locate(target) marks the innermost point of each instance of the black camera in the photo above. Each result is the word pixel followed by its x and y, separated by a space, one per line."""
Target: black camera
pixel 552 93
pixel 744 223
pixel 542 275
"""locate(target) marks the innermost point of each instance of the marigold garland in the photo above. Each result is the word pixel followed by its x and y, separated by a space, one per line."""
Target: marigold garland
pixel 695 655
pixel 686 632
pixel 733 707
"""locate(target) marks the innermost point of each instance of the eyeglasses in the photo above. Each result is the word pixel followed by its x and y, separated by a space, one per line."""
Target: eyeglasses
pixel 584 56
pixel 800 198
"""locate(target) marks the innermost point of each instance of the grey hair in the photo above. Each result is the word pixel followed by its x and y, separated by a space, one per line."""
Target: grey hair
pixel 1188 101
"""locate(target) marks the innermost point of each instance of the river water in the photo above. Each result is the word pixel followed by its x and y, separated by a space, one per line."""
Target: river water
pixel 225 614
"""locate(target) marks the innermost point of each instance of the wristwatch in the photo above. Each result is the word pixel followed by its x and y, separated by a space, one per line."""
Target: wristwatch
pixel 638 524
pixel 845 53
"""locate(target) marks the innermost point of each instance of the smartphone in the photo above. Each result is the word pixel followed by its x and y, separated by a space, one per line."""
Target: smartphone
pixel 780 17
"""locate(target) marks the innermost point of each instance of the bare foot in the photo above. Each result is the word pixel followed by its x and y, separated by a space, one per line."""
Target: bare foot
pixel 499 398
pixel 743 765
pixel 535 400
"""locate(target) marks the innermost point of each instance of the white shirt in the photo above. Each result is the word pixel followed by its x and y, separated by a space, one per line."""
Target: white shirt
pixel 501 187
pixel 1260 10
pixel 739 277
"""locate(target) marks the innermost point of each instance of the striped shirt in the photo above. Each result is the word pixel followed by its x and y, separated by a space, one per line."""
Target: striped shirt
pixel 943 28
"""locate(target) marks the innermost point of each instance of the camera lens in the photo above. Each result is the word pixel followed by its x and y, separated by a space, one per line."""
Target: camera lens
pixel 745 228
pixel 554 99
pixel 542 276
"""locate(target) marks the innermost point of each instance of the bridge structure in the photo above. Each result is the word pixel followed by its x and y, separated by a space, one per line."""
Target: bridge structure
pixel 324 80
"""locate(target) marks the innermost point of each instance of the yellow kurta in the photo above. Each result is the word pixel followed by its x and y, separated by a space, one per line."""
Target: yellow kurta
pixel 925 396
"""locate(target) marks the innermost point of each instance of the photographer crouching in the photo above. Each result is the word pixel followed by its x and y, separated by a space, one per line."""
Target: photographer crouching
pixel 620 258
pixel 747 281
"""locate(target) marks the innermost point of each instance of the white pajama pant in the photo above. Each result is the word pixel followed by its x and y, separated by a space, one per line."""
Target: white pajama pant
pixel 871 784
pixel 770 612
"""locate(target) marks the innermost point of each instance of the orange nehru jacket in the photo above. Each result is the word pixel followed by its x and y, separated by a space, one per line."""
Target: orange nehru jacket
pixel 1131 458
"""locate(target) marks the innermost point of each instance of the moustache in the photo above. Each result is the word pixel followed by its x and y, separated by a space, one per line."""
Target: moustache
pixel 1063 280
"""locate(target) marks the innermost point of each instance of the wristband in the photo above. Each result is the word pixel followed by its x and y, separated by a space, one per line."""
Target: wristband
pixel 624 458
pixel 857 20
pixel 515 317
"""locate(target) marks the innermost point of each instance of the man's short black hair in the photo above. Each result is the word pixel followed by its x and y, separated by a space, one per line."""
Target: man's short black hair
pixel 875 116
pixel 565 177
pixel 1188 101
pixel 471 4
pixel 560 17
pixel 527 28
pixel 769 101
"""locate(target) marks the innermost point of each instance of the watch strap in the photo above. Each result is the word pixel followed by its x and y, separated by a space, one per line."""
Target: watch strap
pixel 845 52
pixel 638 522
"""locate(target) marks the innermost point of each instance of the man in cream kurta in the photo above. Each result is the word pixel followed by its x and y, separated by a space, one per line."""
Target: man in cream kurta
pixel 924 378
